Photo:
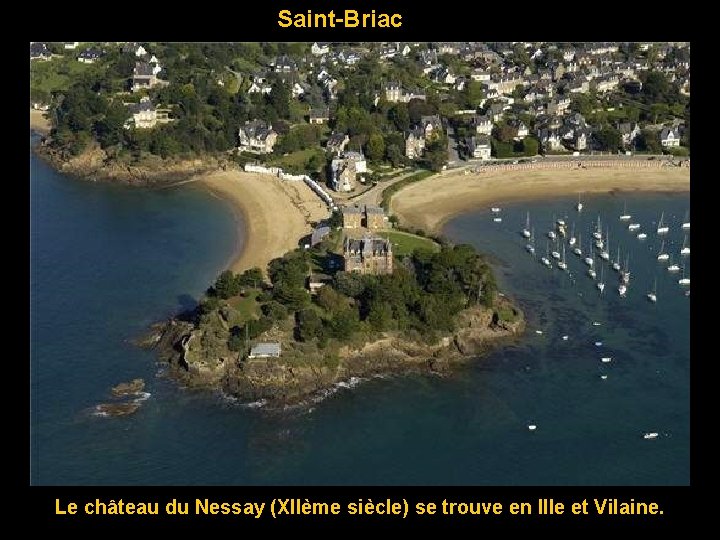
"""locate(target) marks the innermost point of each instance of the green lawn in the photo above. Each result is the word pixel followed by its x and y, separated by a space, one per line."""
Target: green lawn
pixel 296 159
pixel 244 307
pixel 405 243
pixel 57 74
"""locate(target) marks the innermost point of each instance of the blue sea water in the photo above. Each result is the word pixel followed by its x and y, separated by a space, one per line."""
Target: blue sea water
pixel 107 261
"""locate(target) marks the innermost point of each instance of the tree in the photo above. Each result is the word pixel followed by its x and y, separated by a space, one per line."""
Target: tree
pixel 608 138
pixel 530 146
pixel 375 147
pixel 473 94
pixel 226 285
pixel 394 155
pixel 436 154
pixel 649 141
pixel 349 284
pixel 309 325
pixel 279 99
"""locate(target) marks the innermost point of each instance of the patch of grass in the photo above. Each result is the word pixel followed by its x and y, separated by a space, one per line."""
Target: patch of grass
pixel 405 243
pixel 295 160
pixel 389 191
pixel 507 314
pixel 244 307
pixel 58 73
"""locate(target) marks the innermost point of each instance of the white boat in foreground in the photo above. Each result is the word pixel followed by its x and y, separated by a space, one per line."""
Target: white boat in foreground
pixel 497 219
pixel 661 228
pixel 642 236
pixel 625 216
pixel 633 227
pixel 579 205
pixel 606 359
pixel 684 281
pixel 662 256
pixel 651 435
pixel 685 248
pixel 526 231
pixel 652 296
pixel 603 377
pixel 622 289
pixel 532 427
pixel 686 221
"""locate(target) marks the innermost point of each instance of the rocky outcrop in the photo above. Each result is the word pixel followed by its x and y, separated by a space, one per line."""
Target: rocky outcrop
pixel 96 165
pixel 131 388
pixel 290 380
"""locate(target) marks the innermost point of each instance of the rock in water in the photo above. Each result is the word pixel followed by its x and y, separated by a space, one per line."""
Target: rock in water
pixel 117 409
pixel 129 388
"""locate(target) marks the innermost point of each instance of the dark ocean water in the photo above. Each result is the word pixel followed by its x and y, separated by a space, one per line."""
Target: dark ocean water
pixel 108 261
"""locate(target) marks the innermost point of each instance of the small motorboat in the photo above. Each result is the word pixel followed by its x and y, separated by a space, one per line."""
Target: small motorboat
pixel 495 209
pixel 497 219
pixel 642 236
pixel 598 343
pixel 606 359
pixel 603 377
pixel 651 435
pixel 633 226
pixel 532 427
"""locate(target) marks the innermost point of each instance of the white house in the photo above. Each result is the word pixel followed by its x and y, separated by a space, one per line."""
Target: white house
pixel 318 49
pixel 144 115
pixel 479 147
pixel 257 137
pixel 669 137
pixel 140 51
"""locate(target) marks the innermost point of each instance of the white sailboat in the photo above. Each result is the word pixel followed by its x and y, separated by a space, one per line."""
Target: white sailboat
pixel 572 239
pixel 546 260
pixel 589 260
pixel 578 249
pixel 495 209
pixel 591 272
pixel 597 235
pixel 661 228
pixel 616 262
pixel 604 254
pixel 672 267
pixel 530 246
pixel 625 216
pixel 579 205
pixel 686 221
pixel 652 296
pixel 685 248
pixel 625 274
pixel 497 219
pixel 551 235
pixel 633 227
pixel 526 231
pixel 662 256
pixel 622 289
pixel 562 265
pixel 555 254
pixel 601 284
pixel 642 236
pixel 683 280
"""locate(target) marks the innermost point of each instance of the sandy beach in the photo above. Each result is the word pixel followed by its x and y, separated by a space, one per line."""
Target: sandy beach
pixel 38 122
pixel 429 204
pixel 276 213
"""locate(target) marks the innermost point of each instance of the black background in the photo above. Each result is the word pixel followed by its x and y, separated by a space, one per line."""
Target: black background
pixel 505 21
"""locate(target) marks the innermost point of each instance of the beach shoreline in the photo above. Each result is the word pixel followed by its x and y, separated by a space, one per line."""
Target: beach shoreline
pixel 38 122
pixel 273 214
pixel 431 203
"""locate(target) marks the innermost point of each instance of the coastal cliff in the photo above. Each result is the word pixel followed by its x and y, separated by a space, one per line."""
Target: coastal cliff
pixel 303 373
pixel 96 165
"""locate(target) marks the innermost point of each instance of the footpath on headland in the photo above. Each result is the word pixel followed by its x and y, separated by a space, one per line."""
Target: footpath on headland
pixel 430 203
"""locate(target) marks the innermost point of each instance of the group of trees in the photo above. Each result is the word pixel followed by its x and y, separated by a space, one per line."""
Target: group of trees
pixel 423 295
